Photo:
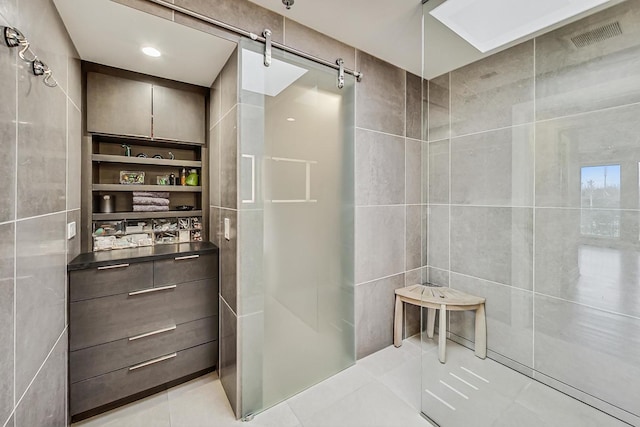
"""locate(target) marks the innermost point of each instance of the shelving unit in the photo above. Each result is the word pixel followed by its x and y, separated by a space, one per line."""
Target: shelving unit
pixel 106 158
pixel 131 188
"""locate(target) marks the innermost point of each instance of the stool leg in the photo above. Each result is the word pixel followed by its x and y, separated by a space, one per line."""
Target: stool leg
pixel 442 338
pixel 481 332
pixel 397 323
pixel 431 321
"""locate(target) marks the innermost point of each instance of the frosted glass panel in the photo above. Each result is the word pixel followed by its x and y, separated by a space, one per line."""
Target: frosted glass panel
pixel 295 227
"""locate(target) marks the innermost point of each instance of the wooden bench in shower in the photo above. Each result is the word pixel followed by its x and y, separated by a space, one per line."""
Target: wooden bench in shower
pixel 444 299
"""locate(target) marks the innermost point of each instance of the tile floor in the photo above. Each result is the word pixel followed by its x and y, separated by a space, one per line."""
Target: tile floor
pixel 381 390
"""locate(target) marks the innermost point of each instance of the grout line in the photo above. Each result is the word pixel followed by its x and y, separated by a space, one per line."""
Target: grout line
pixel 379 278
pixel 236 105
pixel 227 304
pixel 399 205
pixel 41 366
pixel 406 210
pixel 379 132
pixel 480 132
pixel 533 225
pixel 40 216
pixel 15 230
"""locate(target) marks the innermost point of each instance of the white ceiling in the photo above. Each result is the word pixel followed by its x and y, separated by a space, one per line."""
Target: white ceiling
pixel 392 30
pixel 108 33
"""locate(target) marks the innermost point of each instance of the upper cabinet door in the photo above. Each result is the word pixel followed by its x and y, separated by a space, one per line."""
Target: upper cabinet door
pixel 118 106
pixel 178 115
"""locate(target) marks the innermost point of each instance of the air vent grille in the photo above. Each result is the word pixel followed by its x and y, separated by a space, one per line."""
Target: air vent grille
pixel 597 35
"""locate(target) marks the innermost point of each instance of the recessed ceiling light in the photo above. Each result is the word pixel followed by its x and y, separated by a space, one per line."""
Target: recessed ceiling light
pixel 291 119
pixel 151 51
pixel 489 24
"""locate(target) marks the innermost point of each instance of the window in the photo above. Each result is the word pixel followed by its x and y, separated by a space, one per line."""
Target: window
pixel 600 201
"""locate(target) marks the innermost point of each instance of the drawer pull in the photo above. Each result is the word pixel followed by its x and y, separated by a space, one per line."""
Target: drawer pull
pixel 148 334
pixel 146 291
pixel 180 258
pixel 152 361
pixel 109 267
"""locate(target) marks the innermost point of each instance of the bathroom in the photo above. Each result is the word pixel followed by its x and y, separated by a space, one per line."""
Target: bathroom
pixel 508 174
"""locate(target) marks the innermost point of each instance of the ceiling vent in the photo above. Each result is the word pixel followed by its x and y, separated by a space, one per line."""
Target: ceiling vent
pixel 597 35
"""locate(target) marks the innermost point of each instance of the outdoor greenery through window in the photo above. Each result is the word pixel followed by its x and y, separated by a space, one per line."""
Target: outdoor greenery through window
pixel 600 201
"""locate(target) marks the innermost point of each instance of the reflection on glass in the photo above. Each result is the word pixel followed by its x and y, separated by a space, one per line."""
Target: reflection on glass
pixel 600 188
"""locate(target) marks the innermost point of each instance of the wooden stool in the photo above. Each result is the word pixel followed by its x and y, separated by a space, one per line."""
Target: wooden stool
pixel 443 299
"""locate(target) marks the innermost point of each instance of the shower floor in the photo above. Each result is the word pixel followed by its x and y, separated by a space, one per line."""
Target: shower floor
pixel 383 389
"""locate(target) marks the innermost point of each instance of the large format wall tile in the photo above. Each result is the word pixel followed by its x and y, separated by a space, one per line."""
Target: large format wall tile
pixel 413 107
pixel 6 319
pixel 574 264
pixel 414 239
pixel 251 263
pixel 8 131
pixel 380 96
pixel 229 84
pixel 493 168
pixel 242 14
pixel 438 239
pixel 380 168
pixel 45 402
pixel 228 258
pixel 374 314
pixel 595 351
pixel 229 160
pixel 42 147
pixel 317 44
pixel 438 171
pixel 74 160
pixel 379 242
pixel 509 314
pixel 73 244
pixel 40 292
pixel 567 147
pixel 493 244
pixel 414 168
pixel 228 364
pixel 603 74
pixel 439 111
pixel 494 92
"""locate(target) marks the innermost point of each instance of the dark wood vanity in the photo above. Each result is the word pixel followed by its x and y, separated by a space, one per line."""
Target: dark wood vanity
pixel 140 320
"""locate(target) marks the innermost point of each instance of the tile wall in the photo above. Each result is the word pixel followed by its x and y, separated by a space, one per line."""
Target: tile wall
pixel 40 132
pixel 519 211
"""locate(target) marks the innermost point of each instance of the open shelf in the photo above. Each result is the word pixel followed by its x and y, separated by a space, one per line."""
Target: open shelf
pixel 133 187
pixel 109 158
pixel 144 215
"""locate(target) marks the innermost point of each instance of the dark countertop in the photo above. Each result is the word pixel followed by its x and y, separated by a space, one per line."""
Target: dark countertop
pixel 149 253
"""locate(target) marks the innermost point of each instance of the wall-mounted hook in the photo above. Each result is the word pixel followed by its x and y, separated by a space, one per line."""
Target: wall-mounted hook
pixel 12 37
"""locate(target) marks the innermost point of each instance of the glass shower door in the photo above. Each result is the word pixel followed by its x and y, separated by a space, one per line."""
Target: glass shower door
pixel 296 220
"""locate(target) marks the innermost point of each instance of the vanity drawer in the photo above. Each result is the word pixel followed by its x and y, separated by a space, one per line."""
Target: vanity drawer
pixel 185 269
pixel 102 320
pixel 103 389
pixel 109 280
pixel 105 358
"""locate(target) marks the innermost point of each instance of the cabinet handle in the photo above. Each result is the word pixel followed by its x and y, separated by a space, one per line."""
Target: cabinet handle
pixel 146 291
pixel 109 267
pixel 152 361
pixel 148 334
pixel 180 258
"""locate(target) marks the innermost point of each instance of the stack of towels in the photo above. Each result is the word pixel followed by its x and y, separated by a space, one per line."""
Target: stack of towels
pixel 150 201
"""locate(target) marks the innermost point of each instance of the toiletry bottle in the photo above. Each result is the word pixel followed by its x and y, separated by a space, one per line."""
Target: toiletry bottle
pixel 183 176
pixel 192 178
pixel 172 179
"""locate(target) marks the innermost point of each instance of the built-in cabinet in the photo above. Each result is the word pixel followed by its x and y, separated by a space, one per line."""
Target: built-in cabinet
pixel 120 106
pixel 143 124
pixel 140 322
